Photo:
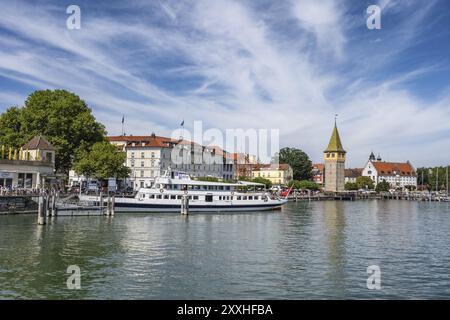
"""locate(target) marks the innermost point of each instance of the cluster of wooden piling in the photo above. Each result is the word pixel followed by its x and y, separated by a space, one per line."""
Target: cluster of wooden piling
pixel 47 206
pixel 110 208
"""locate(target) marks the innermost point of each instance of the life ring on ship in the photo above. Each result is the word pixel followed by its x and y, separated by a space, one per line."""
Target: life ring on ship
pixel 161 190
pixel 232 193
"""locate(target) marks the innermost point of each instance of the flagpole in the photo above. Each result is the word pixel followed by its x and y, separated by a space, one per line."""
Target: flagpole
pixel 182 129
pixel 446 179
pixel 123 118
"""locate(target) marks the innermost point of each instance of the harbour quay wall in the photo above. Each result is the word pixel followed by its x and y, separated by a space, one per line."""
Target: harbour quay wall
pixel 17 204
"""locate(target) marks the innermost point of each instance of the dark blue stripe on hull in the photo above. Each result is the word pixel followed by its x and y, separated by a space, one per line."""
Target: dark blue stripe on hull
pixel 174 206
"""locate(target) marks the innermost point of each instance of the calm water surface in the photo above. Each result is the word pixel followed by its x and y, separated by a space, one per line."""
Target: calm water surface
pixel 307 250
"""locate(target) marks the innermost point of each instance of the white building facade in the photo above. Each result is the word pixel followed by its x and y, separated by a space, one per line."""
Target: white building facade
pixel 149 156
pixel 397 174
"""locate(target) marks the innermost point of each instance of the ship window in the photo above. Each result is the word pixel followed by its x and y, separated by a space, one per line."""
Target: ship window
pixel 179 197
pixel 220 197
pixel 166 196
pixel 250 197
pixel 195 197
pixel 151 196
pixel 244 198
pixel 239 198
pixel 158 196
pixel 208 198
pixel 220 187
pixel 172 197
pixel 256 198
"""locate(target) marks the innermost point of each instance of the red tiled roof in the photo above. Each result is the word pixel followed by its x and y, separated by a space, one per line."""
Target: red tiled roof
pixel 158 141
pixel 353 173
pixel 394 168
pixel 318 166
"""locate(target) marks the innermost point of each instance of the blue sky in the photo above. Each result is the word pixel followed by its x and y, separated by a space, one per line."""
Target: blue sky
pixel 288 65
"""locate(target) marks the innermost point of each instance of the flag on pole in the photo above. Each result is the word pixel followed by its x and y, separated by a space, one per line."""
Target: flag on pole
pixel 182 123
pixel 123 118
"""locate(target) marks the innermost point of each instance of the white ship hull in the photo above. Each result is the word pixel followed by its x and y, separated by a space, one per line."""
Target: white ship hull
pixel 135 205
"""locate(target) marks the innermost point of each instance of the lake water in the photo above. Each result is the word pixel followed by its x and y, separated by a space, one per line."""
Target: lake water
pixel 311 250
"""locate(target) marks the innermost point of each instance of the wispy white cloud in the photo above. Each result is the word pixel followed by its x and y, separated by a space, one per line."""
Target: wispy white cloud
pixel 233 65
pixel 326 20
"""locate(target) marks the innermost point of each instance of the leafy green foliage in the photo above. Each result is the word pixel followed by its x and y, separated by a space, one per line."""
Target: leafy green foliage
pixel 298 160
pixel 430 177
pixel 266 182
pixel 303 185
pixel 102 161
pixel 61 117
pixel 364 182
pixel 351 186
pixel 383 186
pixel 11 128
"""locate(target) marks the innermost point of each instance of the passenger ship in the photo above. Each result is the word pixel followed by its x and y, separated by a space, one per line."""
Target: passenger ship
pixel 166 194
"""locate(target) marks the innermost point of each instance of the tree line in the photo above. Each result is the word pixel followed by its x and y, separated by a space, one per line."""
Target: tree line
pixel 66 121
pixel 433 178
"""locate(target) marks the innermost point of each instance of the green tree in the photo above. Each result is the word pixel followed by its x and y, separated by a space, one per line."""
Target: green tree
pixel 351 186
pixel 433 177
pixel 266 182
pixel 307 184
pixel 303 185
pixel 62 117
pixel 383 186
pixel 102 161
pixel 364 182
pixel 298 160
pixel 294 184
pixel 11 129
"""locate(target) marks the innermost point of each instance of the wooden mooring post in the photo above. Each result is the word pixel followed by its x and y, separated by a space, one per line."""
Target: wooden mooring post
pixel 113 205
pixel 185 205
pixel 41 211
pixel 100 203
pixel 108 206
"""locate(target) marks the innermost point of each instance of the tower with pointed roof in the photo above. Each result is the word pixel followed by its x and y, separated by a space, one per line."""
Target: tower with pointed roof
pixel 334 156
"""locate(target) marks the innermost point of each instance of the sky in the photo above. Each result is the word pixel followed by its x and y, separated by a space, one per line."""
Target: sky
pixel 289 65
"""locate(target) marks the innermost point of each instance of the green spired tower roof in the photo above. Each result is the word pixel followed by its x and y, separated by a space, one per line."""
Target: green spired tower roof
pixel 335 144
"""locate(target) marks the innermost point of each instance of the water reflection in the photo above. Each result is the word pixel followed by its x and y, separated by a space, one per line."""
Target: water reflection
pixel 307 250
pixel 334 220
